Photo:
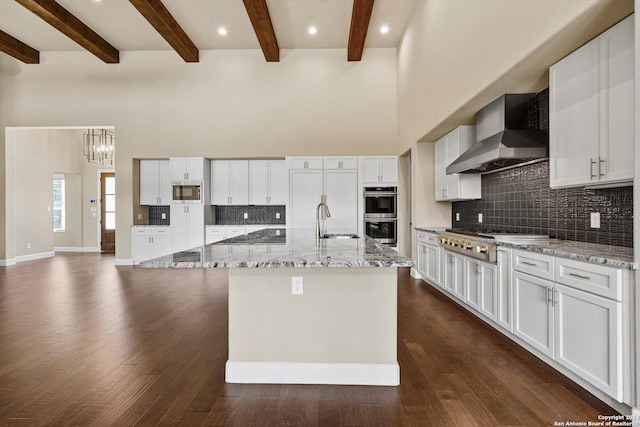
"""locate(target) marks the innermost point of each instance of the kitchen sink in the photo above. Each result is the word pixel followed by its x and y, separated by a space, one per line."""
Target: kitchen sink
pixel 339 236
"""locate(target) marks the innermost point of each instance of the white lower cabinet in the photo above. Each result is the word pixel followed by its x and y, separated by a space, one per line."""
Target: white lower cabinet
pixel 148 242
pixel 453 273
pixel 587 338
pixel 480 290
pixel 533 312
pixel 217 233
pixel 504 288
pixel 580 330
pixel 575 315
pixel 428 256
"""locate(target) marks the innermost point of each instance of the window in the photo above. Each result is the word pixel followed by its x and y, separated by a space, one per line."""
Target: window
pixel 58 203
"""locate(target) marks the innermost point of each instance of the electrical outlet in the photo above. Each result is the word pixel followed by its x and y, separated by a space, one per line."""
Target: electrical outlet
pixel 246 215
pixel 457 216
pixel 277 215
pixel 296 285
pixel 595 219
pixel 28 245
pixel 163 215
pixel 480 217
pixel 139 216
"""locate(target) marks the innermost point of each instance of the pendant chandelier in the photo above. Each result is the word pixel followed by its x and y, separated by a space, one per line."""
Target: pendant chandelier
pixel 98 146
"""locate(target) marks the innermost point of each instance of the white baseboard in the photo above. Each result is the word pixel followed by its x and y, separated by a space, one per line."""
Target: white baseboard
pixel 75 249
pixel 7 262
pixel 313 373
pixel 32 257
pixel 415 274
pixel 123 261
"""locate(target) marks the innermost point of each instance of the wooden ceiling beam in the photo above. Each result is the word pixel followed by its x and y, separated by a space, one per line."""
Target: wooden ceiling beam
pixel 14 47
pixel 161 19
pixel 360 17
pixel 261 20
pixel 64 21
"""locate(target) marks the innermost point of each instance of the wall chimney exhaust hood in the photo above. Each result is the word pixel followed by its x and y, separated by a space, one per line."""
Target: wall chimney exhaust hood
pixel 508 133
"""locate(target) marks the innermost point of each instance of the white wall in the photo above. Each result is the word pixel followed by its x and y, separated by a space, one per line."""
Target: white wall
pixel 230 104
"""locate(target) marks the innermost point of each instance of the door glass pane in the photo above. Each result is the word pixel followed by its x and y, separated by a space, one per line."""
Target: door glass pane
pixel 109 203
pixel 110 220
pixel 110 200
pixel 110 185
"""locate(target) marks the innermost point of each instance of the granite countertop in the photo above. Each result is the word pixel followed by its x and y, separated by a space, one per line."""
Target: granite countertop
pixel 150 225
pixel 432 229
pixel 299 248
pixel 615 256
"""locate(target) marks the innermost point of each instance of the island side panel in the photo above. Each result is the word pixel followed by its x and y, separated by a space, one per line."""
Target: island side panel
pixel 341 330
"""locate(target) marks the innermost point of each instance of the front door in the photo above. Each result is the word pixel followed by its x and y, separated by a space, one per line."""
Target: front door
pixel 108 203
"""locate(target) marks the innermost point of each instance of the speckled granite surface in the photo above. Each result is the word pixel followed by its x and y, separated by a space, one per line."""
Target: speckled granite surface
pixel 299 249
pixel 615 256
pixel 432 229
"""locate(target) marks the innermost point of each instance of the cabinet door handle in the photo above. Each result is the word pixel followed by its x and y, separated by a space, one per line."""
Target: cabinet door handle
pixel 556 297
pixel 549 295
pixel 580 276
pixel 533 264
pixel 593 162
pixel 600 162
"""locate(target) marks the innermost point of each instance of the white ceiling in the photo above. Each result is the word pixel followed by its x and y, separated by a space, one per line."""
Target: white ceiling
pixel 118 22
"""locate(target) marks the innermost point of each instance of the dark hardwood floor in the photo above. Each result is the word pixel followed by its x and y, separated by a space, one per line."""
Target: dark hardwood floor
pixel 85 343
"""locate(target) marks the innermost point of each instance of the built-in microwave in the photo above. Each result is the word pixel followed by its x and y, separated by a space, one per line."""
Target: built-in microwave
pixel 380 202
pixel 187 192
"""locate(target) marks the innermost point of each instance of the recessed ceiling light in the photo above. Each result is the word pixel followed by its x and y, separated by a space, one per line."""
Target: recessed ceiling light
pixel 384 29
pixel 312 30
pixel 222 31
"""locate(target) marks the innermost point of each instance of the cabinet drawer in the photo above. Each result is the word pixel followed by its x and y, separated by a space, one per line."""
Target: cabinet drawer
pixel 533 263
pixel 161 231
pixel 215 231
pixel 597 279
pixel 234 231
pixel 141 231
pixel 427 237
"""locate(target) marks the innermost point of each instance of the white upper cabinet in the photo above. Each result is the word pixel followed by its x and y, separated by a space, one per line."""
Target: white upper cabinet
pixel 155 182
pixel 187 168
pixel 337 162
pixel 268 183
pixel 314 162
pixel 449 148
pixel 379 170
pixel 591 110
pixel 229 182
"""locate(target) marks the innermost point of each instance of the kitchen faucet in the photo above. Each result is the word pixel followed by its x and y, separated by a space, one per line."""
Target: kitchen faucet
pixel 326 212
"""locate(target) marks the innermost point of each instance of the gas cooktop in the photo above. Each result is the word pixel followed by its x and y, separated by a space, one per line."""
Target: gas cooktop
pixel 495 234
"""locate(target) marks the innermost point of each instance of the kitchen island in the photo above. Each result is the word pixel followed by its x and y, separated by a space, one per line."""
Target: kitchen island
pixel 338 326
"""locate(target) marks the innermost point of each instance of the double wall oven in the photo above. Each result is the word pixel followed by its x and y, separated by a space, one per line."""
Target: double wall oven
pixel 381 214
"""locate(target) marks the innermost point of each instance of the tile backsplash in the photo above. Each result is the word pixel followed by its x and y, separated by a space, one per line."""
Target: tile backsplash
pixel 520 200
pixel 234 215
pixel 155 215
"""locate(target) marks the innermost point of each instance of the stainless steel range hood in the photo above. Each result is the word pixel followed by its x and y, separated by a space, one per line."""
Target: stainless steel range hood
pixel 507 134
